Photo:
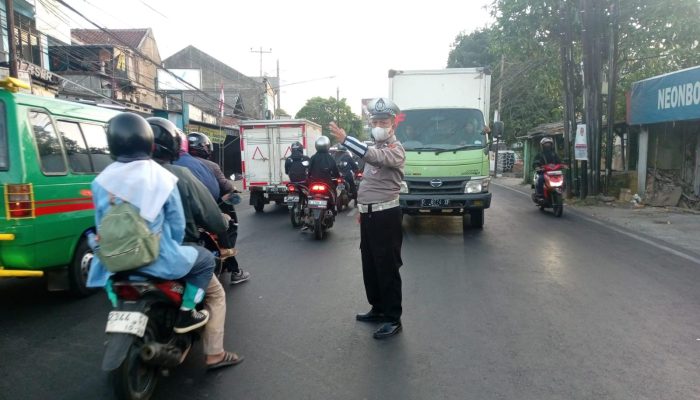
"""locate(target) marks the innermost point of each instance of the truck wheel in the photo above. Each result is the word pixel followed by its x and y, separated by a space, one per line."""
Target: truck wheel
pixel 79 268
pixel 259 204
pixel 476 219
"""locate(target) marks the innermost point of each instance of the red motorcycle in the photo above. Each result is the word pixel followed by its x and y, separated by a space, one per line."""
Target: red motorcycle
pixel 553 191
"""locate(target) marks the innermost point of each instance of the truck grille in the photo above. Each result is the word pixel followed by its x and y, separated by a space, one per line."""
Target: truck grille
pixel 426 186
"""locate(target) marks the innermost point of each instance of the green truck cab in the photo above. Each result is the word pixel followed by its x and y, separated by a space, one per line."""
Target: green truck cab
pixel 447 168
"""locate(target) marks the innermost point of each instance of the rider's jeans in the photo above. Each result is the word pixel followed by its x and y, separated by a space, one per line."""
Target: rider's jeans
pixel 539 187
pixel 215 302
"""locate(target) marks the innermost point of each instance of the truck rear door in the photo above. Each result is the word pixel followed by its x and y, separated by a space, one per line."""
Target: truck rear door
pixel 287 136
pixel 257 154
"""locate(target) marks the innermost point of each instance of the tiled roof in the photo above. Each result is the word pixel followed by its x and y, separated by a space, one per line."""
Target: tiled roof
pixel 132 37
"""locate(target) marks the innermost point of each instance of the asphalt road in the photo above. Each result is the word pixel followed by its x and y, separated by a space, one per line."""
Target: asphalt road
pixel 532 307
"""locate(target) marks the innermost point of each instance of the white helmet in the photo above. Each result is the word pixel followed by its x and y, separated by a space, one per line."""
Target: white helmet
pixel 546 140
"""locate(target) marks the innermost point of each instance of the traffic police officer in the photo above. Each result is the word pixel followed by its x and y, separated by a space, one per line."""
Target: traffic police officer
pixel 380 215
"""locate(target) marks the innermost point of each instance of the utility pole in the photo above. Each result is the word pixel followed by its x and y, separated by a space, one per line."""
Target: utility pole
pixel 12 51
pixel 337 104
pixel 565 49
pixel 261 52
pixel 592 87
pixel 497 115
pixel 279 84
pixel 612 83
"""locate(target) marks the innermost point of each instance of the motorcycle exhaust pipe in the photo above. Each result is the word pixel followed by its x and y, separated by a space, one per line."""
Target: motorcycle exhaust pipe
pixel 161 355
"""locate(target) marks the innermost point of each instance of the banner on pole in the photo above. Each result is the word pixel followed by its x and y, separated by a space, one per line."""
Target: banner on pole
pixel 581 143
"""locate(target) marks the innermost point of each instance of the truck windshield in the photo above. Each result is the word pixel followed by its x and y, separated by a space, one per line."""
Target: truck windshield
pixel 441 129
pixel 4 157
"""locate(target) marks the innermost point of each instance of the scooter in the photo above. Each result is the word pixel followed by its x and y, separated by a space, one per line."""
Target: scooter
pixel 342 194
pixel 296 202
pixel 141 344
pixel 553 192
pixel 318 215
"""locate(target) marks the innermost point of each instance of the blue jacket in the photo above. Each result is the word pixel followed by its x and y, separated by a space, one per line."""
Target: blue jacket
pixel 201 171
pixel 174 260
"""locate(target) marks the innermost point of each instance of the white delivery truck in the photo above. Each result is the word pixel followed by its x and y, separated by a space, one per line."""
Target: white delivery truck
pixel 442 129
pixel 265 145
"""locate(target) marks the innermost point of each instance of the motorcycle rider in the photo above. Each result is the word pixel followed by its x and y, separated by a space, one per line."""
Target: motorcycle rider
pixel 297 164
pixel 200 211
pixel 348 167
pixel 547 156
pixel 137 179
pixel 201 148
pixel 322 167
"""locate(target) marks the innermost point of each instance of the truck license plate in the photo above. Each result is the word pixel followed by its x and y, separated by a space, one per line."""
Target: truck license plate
pixel 317 203
pixel 291 199
pixel 127 322
pixel 435 203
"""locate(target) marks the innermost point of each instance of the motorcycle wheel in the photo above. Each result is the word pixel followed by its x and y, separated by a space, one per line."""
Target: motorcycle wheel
pixel 318 229
pixel 295 215
pixel 558 211
pixel 134 380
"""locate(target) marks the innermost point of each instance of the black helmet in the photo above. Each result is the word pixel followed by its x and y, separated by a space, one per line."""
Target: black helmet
pixel 381 108
pixel 200 145
pixel 297 149
pixel 129 137
pixel 166 137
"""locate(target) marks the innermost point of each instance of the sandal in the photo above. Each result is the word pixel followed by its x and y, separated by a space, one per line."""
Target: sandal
pixel 230 359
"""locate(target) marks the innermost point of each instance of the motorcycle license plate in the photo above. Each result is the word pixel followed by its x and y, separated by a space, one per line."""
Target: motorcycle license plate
pixel 318 203
pixel 435 203
pixel 291 199
pixel 130 322
pixel 341 186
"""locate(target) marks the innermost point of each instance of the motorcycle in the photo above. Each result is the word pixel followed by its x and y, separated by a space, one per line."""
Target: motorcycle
pixel 141 344
pixel 318 215
pixel 342 194
pixel 553 192
pixel 296 202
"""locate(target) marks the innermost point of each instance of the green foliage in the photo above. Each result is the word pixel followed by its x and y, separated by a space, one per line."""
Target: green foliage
pixel 655 37
pixel 280 111
pixel 324 111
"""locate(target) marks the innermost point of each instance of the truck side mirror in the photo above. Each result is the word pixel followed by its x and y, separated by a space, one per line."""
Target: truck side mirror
pixel 498 129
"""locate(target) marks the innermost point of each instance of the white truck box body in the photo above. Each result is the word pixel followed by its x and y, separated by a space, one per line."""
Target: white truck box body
pixel 266 144
pixel 442 88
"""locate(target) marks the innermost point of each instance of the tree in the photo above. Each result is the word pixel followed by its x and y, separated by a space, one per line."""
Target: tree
pixel 324 111
pixel 280 112
pixel 472 50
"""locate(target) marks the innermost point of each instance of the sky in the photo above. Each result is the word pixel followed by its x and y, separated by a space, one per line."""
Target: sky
pixel 337 45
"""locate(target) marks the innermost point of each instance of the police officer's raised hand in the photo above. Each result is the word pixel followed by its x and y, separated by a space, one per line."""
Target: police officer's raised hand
pixel 337 132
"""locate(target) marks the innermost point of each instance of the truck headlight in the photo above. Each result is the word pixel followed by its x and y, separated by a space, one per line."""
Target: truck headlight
pixel 477 185
pixel 404 187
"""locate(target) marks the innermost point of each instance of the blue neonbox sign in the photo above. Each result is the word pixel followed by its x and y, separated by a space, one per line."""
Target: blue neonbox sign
pixel 664 98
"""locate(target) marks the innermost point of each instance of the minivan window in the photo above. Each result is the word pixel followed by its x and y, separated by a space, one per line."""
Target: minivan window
pixel 96 138
pixel 48 143
pixel 76 150
pixel 4 156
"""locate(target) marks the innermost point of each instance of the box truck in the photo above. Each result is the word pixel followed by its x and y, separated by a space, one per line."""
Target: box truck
pixel 443 130
pixel 265 145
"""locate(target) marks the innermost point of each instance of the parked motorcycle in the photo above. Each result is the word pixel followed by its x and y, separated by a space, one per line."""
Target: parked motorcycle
pixel 553 192
pixel 141 344
pixel 318 215
pixel 296 200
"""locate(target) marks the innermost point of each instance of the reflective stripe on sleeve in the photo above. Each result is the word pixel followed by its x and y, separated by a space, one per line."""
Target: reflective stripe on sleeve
pixel 355 145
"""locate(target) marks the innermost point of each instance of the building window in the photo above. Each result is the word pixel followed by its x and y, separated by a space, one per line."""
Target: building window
pixel 27 40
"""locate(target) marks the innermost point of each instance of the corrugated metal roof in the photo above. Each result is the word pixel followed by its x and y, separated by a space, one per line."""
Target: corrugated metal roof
pixel 132 37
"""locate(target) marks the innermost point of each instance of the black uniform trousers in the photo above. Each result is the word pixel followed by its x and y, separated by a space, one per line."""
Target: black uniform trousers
pixel 380 243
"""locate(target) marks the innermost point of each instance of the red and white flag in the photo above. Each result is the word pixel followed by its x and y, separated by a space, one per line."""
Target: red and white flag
pixel 221 101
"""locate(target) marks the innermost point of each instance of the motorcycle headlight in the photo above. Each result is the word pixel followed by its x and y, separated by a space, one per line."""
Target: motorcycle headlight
pixel 477 185
pixel 404 187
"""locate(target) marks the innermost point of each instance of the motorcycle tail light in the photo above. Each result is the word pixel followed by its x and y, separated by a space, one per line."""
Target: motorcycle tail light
pixel 319 188
pixel 291 188
pixel 127 292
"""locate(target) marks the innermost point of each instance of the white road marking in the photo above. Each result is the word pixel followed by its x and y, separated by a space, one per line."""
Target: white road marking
pixel 675 252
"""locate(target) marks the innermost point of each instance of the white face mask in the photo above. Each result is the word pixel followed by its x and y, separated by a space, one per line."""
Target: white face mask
pixel 380 134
